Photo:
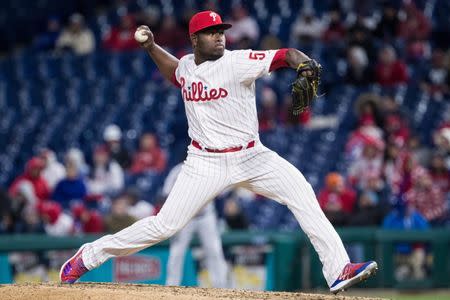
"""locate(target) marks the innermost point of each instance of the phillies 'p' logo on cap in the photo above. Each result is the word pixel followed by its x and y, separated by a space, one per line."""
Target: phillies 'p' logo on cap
pixel 206 19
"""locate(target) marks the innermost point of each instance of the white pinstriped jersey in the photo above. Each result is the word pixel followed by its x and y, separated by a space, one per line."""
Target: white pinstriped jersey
pixel 219 96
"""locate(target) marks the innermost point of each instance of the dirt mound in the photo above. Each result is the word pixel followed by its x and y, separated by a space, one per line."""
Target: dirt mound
pixel 111 291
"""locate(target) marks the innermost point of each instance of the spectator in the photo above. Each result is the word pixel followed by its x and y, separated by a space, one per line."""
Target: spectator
pixel 54 171
pixel 244 29
pixel 335 31
pixel 439 172
pixel 437 77
pixel 149 158
pixel 56 222
pixel 6 213
pixel 419 152
pixel 171 34
pixel 387 28
pixel 121 38
pixel 375 184
pixel 392 164
pixel 137 208
pixel 368 111
pixel 85 220
pixel 369 165
pixel 390 71
pixel 368 211
pixel 406 167
pixel 25 199
pixel 441 25
pixel 119 218
pixel 24 210
pixel 389 106
pixel 413 23
pixel 307 28
pixel 33 174
pixel 336 200
pixel 417 51
pixel 76 37
pixel 366 133
pixel 70 188
pixel 112 136
pixel 360 36
pixel 396 129
pixel 106 176
pixel 77 158
pixel 233 214
pixel 411 256
pixel 427 197
pixel 46 41
pixel 441 140
pixel 269 111
pixel 358 70
pixel 414 31
pixel 394 122
pixel 270 42
pixel 150 16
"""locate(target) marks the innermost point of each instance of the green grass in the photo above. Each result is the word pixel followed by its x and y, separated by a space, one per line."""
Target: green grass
pixel 443 294
pixel 421 297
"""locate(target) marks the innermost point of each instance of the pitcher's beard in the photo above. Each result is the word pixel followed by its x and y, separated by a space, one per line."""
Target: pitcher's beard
pixel 213 55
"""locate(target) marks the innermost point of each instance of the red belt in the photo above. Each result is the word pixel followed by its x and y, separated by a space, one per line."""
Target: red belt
pixel 232 149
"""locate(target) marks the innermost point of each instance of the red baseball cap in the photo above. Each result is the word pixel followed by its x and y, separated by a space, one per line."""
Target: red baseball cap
pixel 206 19
pixel 35 163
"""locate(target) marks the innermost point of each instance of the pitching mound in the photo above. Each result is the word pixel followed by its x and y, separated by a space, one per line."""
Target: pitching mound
pixel 111 291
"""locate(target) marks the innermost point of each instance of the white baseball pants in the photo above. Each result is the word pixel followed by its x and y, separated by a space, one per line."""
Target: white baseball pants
pixel 203 176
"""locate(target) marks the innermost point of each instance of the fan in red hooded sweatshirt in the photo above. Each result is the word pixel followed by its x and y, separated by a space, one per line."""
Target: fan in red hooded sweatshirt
pixel 33 171
pixel 56 222
pixel 86 221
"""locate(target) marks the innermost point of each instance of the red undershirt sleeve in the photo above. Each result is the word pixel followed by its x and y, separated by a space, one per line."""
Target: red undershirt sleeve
pixel 279 60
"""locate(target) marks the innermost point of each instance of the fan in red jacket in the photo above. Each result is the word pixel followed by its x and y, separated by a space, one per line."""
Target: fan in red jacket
pixel 336 196
pixel 150 157
pixel 33 171
pixel 86 221
pixel 121 38
pixel 390 71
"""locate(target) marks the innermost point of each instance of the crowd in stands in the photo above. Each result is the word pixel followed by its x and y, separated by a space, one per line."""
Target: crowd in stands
pixel 387 166
pixel 76 197
pixel 394 178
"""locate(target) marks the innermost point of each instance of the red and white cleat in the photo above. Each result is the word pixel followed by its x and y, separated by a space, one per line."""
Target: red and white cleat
pixel 352 274
pixel 73 268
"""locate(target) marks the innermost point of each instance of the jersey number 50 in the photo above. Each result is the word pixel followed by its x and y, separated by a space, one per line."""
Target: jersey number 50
pixel 257 55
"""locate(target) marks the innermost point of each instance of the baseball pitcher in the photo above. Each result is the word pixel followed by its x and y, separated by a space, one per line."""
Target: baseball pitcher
pixel 218 90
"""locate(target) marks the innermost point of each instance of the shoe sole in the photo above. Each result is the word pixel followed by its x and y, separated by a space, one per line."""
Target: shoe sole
pixel 64 264
pixel 369 271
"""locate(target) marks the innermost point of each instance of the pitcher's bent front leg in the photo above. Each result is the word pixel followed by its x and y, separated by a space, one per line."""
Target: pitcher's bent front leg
pixel 200 180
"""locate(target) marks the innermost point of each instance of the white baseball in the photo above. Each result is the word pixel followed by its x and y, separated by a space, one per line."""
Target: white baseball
pixel 140 36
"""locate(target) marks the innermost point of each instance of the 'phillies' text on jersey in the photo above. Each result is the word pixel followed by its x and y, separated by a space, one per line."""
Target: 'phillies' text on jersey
pixel 197 92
